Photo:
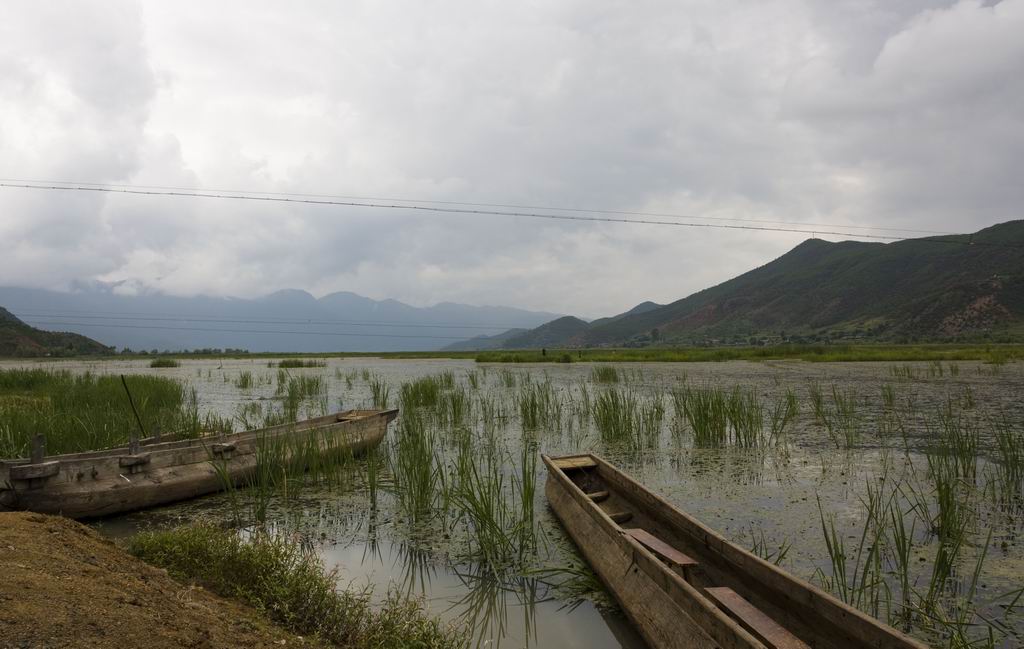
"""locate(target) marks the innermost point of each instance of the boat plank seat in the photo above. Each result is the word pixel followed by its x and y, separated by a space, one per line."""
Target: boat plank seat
pixel 765 629
pixel 583 462
pixel 620 517
pixel 663 550
pixel 598 496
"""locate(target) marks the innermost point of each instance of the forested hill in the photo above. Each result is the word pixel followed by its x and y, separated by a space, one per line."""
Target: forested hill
pixel 936 288
pixel 19 340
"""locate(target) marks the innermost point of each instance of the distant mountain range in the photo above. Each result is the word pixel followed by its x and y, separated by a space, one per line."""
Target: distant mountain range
pixel 957 287
pixel 285 321
pixel 20 340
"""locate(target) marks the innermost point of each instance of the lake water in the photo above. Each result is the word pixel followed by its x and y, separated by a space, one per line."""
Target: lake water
pixel 773 497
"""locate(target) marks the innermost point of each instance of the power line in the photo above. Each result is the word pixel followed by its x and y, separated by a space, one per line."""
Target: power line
pixel 438 209
pixel 172 318
pixel 114 186
pixel 241 331
pixel 959 240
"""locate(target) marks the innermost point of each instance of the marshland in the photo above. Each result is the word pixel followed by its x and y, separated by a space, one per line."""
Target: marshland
pixel 898 486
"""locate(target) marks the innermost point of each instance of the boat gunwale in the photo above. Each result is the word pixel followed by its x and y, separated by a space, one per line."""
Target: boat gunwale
pixel 822 603
pixel 314 423
pixel 723 629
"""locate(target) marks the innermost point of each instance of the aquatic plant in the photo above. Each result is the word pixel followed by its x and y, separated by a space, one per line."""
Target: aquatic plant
pixel 421 393
pixel 604 374
pixel 380 392
pixel 244 381
pixel 84 412
pixel 296 363
pixel 706 410
pixel 538 406
pixel 287 582
pixel 164 362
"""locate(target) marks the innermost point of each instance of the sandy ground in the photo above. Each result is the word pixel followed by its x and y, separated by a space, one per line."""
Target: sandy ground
pixel 63 585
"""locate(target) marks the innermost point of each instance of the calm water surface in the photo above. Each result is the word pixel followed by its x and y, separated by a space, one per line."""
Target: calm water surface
pixel 770 497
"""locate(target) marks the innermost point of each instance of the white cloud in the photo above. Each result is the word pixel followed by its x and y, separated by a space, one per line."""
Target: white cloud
pixel 886 113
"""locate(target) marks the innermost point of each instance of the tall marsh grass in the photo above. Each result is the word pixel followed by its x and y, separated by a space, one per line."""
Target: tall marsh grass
pixel 83 412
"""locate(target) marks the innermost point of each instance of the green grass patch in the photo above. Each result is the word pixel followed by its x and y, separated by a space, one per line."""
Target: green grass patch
pixel 296 363
pixel 287 583
pixel 87 412
pixel 164 362
pixel 813 353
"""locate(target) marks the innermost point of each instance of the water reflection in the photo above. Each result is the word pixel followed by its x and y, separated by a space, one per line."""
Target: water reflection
pixel 513 611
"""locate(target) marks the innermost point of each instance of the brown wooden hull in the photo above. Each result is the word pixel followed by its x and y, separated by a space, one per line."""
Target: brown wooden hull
pixel 670 606
pixel 113 481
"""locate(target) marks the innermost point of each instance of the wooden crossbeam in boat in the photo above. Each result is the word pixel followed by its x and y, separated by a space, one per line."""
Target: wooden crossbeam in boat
pixel 620 517
pixel 598 496
pixel 754 620
pixel 663 550
pixel 581 462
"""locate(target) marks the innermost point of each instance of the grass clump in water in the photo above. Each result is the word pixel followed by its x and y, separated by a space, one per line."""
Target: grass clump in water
pixel 295 363
pixel 164 362
pixel 621 417
pixel 288 584
pixel 380 391
pixel 538 405
pixel 604 374
pixel 86 412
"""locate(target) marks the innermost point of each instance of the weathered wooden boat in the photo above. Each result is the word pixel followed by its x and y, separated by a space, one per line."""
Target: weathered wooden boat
pixel 150 472
pixel 683 585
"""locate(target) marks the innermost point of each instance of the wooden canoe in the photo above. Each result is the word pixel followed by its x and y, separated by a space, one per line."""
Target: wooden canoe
pixel 683 585
pixel 112 481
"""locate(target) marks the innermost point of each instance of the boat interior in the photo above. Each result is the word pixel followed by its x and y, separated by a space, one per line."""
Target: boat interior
pixel 782 612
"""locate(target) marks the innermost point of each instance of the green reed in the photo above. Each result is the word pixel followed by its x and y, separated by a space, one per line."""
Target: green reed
pixel 83 412
pixel 244 381
pixel 706 410
pixel 380 392
pixel 1009 465
pixel 507 378
pixel 164 362
pixel 604 374
pixel 414 467
pixel 453 408
pixel 746 418
pixel 841 420
pixel 781 414
pixel 421 393
pixel 538 406
pixel 615 414
pixel 295 363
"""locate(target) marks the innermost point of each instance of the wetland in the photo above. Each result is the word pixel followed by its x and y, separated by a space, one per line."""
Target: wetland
pixel 897 486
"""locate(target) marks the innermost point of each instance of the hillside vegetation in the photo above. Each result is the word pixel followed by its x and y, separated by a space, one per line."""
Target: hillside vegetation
pixel 20 340
pixel 942 289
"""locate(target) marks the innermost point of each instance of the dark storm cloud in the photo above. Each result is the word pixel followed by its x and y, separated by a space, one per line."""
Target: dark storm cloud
pixel 900 114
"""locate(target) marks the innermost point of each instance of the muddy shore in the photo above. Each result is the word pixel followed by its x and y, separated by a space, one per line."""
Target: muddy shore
pixel 64 585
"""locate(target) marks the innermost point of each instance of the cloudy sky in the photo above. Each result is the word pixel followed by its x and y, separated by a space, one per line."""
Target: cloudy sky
pixel 888 113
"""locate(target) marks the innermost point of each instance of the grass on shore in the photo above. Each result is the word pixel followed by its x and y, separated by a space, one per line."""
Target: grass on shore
pixel 816 353
pixel 288 584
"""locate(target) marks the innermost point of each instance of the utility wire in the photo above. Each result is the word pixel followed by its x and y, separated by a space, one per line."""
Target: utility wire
pixel 114 186
pixel 958 240
pixel 355 323
pixel 241 331
pixel 434 208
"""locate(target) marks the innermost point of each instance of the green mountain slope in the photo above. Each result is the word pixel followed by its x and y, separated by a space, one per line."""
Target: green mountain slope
pixel 936 288
pixel 552 334
pixel 19 339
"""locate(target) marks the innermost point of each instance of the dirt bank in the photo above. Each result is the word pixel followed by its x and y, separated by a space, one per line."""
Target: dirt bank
pixel 63 585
